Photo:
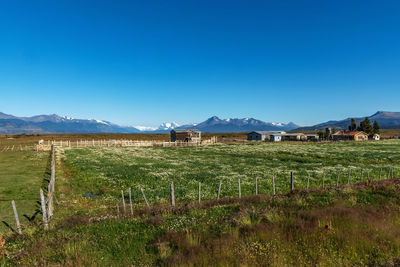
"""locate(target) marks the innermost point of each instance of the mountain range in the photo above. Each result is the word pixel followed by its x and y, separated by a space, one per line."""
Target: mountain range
pixel 385 119
pixel 57 124
pixel 10 124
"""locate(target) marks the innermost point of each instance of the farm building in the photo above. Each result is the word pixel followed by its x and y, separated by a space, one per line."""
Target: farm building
pixel 375 137
pixel 294 137
pixel 261 135
pixel 312 137
pixel 186 135
pixel 275 137
pixel 354 135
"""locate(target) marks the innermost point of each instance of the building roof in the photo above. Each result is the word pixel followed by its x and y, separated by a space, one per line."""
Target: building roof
pixel 184 130
pixel 352 133
pixel 267 132
pixel 293 134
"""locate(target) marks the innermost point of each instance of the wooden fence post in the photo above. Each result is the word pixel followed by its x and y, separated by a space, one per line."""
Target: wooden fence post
pixel 308 181
pixel 323 180
pixel 123 200
pixel 43 203
pixel 368 175
pixel 172 194
pixel 199 192
pixel 256 186
pixel 362 173
pixel 16 217
pixel 130 200
pixel 337 180
pixel 240 193
pixel 380 174
pixel 219 190
pixel 145 198
pixel 391 173
pixel 50 188
pixel 273 185
pixel 291 182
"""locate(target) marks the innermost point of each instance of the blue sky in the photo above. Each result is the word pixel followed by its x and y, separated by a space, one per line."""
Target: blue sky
pixel 147 62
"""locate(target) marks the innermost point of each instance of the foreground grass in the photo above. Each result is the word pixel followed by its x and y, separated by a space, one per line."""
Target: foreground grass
pixel 21 175
pixel 349 226
pixel 345 226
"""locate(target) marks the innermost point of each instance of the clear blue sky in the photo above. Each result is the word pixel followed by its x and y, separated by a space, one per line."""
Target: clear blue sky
pixel 146 62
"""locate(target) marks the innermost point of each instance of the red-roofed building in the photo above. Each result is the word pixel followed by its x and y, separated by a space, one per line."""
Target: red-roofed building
pixel 350 136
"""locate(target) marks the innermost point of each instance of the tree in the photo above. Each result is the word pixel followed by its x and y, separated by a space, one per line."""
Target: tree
pixel 375 128
pixel 353 125
pixel 365 126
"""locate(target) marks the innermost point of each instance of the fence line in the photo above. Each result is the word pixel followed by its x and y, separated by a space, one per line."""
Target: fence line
pixel 290 182
pixel 46 145
pixel 17 148
pixel 47 204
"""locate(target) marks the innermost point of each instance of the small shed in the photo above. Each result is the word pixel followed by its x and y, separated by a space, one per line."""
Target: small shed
pixel 257 135
pixel 376 137
pixel 275 137
pixel 294 137
pixel 312 137
pixel 186 135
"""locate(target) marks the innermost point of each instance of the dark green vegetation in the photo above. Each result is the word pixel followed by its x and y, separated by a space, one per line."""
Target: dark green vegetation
pixel 344 226
pixel 21 175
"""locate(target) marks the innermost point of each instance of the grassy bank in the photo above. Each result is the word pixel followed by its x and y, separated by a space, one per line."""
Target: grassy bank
pixel 21 175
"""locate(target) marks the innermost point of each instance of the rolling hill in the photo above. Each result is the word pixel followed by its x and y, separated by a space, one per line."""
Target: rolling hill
pixel 386 120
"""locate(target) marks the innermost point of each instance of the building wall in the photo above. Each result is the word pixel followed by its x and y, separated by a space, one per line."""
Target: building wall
pixel 255 136
pixel 361 137
pixel 190 136
pixel 275 138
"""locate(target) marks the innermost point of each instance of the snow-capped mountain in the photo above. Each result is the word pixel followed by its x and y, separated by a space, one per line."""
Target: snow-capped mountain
pixel 64 124
pixel 168 126
pixel 217 125
pixel 58 124
pixel 145 128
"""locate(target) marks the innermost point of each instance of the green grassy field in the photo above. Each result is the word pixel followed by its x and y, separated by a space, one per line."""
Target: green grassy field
pixel 344 226
pixel 108 170
pixel 21 175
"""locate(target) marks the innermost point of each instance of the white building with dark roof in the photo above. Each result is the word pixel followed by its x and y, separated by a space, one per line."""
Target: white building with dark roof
pixel 262 135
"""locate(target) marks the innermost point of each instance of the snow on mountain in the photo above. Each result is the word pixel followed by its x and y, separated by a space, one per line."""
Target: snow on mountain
pixel 103 122
pixel 145 128
pixel 168 126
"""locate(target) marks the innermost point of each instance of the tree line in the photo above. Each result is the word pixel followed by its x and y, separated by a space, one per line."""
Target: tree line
pixel 365 126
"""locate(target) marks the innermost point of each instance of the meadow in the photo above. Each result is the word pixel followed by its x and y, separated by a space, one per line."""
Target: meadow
pixel 349 225
pixel 106 171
